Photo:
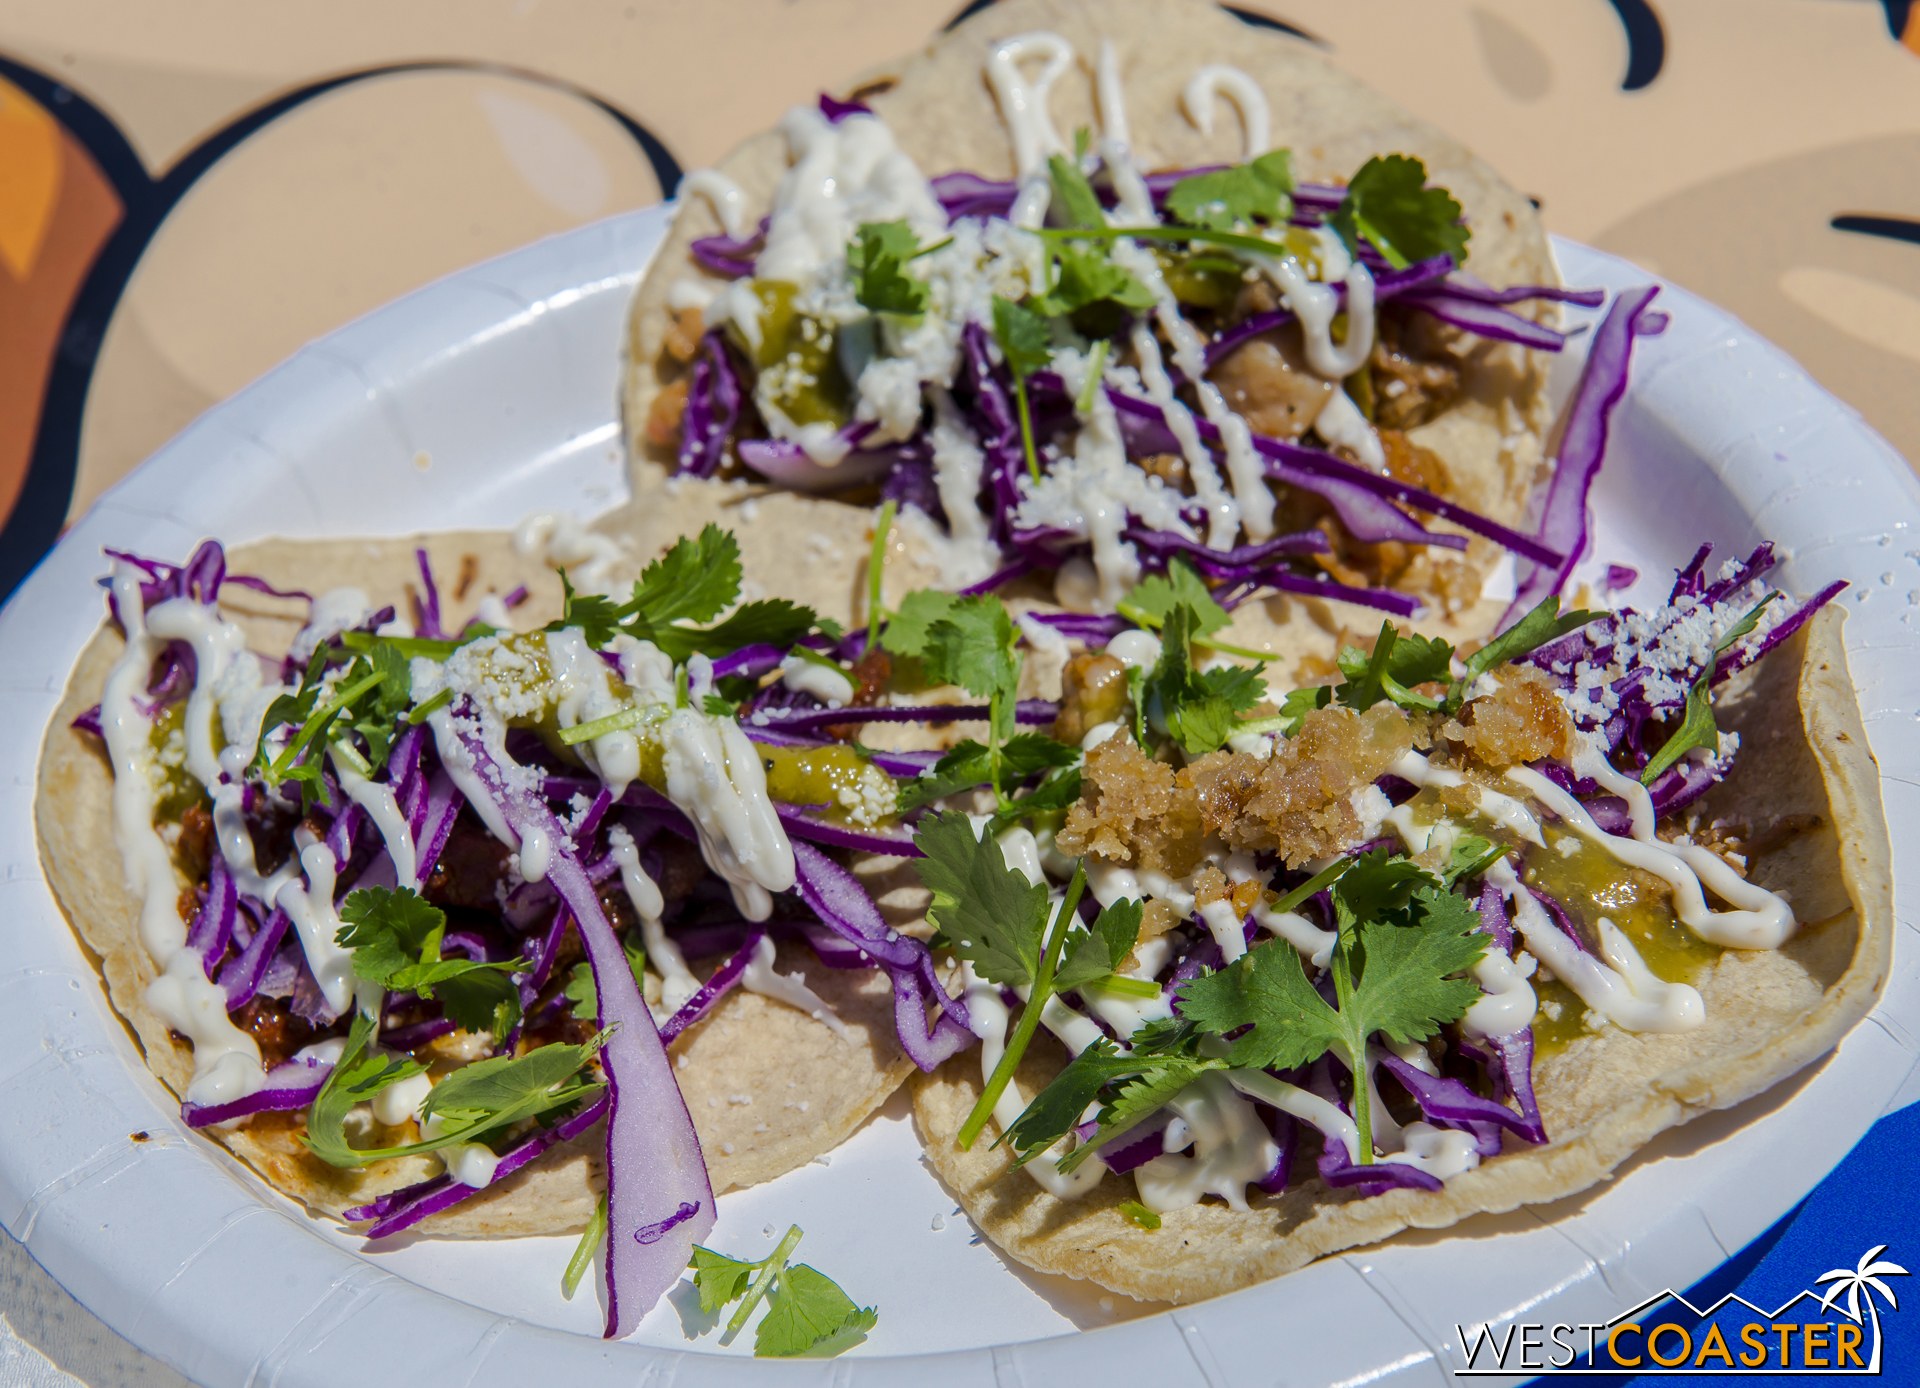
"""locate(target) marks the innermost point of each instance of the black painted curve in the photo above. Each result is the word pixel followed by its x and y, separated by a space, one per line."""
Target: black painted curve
pixel 1870 224
pixel 47 489
pixel 1646 43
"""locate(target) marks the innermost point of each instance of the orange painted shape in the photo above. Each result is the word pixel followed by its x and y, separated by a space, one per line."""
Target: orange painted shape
pixel 1912 37
pixel 30 166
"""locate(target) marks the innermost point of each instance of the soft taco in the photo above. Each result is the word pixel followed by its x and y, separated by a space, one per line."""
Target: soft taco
pixel 1493 881
pixel 339 849
pixel 1038 284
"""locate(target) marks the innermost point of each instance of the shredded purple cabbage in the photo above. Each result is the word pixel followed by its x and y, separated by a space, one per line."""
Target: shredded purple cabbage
pixel 714 395
pixel 1566 528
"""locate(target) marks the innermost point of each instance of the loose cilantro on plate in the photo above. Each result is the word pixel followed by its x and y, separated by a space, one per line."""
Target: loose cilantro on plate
pixel 879 253
pixel 1227 199
pixel 1389 203
pixel 807 1313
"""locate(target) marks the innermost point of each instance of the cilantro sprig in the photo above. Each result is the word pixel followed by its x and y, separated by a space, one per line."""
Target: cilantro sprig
pixel 991 916
pixel 1195 708
pixel 395 937
pixel 1027 343
pixel 352 714
pixel 477 1102
pixel 1388 202
pixel 694 581
pixel 878 258
pixel 1403 943
pixel 1697 726
pixel 807 1313
pixel 1229 198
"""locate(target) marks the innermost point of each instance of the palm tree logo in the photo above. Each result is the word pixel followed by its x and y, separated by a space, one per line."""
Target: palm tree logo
pixel 1866 1274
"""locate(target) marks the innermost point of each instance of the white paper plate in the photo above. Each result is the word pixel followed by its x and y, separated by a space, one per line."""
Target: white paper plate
pixel 493 393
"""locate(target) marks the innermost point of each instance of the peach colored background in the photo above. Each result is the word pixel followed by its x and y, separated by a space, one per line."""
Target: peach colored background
pixel 1766 119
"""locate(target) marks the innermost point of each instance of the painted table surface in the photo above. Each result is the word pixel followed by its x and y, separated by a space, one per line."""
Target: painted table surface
pixel 189 192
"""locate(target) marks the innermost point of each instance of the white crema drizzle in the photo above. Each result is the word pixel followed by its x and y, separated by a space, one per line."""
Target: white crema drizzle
pixel 1218 79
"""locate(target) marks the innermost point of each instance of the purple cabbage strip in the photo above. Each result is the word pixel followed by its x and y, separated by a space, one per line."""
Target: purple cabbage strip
pixel 1651 323
pixel 928 1047
pixel 835 895
pixel 728 257
pixel 893 763
pixel 713 408
pixel 293 1085
pixel 653 1155
pixel 1375 1177
pixel 1386 286
pixel 1564 523
pixel 1228 565
pixel 1487 320
pixel 749 662
pixel 1019 568
pixel 242 975
pixel 1470 286
pixel 89 722
pixel 1029 711
pixel 1286 1135
pixel 429 600
pixel 799 824
pixel 1137 1146
pixel 714 989
pixel 836 110
pixel 213 926
pixel 1088 628
pixel 406 1038
pixel 1448 1103
pixel 549 947
pixel 260 585
pixel 596 811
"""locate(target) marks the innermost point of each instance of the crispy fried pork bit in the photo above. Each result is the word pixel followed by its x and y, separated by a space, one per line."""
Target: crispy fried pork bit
pixel 1131 810
pixel 1093 690
pixel 1522 721
pixel 1299 801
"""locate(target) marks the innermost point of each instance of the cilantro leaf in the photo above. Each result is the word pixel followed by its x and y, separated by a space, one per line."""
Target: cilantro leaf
pixel 1402 938
pixel 1299 703
pixel 989 914
pixel 1227 198
pixel 906 632
pixel 970 764
pixel 1389 203
pixel 1155 598
pixel 693 581
pixel 1054 794
pixel 395 938
pixel 1084 277
pixel 1196 710
pixel 973 646
pixel 880 251
pixel 481 998
pixel 1544 623
pixel 1138 1099
pixel 1697 729
pixel 1101 951
pixel 1397 662
pixel 597 616
pixel 1470 856
pixel 771 621
pixel 580 987
pixel 1023 337
pixel 1073 195
pixel 718 1278
pixel 388 930
pixel 517 1086
pixel 357 1076
pixel 1055 1110
pixel 809 1314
